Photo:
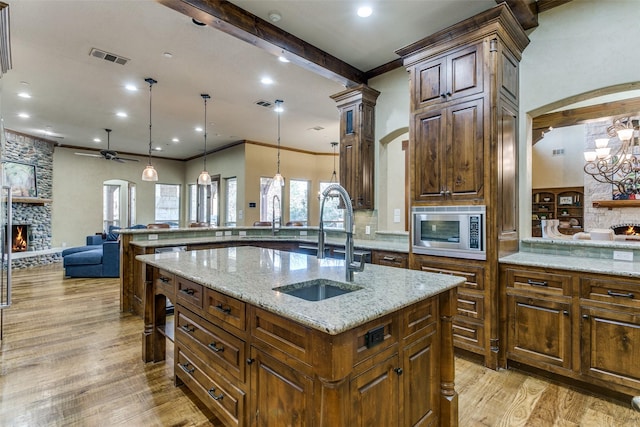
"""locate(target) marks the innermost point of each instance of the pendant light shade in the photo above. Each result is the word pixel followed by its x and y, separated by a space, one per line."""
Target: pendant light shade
pixel 278 179
pixel 204 178
pixel 149 173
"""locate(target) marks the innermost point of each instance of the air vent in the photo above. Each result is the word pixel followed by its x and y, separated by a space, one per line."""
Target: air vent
pixel 108 56
pixel 264 103
pixel 558 152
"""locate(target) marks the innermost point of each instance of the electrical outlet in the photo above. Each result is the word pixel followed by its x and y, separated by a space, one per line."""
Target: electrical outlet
pixel 242 233
pixel 367 229
pixel 218 233
pixel 303 232
pixel 623 255
pixel 152 237
pixel 227 233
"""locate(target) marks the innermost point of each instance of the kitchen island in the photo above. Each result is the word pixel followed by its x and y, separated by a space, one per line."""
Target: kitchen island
pixel 378 355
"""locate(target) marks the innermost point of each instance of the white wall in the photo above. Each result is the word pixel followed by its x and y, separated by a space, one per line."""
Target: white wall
pixel 77 192
pixel 577 47
pixel 566 170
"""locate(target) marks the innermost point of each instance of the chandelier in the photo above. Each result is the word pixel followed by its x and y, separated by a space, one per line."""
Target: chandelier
pixel 620 168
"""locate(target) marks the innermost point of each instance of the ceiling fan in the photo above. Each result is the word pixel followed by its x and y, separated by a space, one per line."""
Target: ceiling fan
pixel 108 154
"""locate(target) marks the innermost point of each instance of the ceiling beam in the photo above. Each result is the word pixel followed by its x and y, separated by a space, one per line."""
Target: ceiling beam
pixel 525 11
pixel 231 19
pixel 576 116
pixel 544 5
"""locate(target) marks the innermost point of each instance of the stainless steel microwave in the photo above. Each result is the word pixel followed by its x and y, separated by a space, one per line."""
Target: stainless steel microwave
pixel 455 231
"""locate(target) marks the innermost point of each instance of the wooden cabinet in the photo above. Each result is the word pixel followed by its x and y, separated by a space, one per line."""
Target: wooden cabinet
pixel 451 142
pixel 252 367
pixel 449 77
pixel 564 204
pixel 581 326
pixel 390 259
pixel 357 156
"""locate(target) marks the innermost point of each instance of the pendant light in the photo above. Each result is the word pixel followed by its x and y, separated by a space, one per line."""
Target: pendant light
pixel 334 177
pixel 149 173
pixel 278 179
pixel 205 178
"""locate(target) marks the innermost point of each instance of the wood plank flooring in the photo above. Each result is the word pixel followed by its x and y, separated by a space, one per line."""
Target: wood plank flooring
pixel 70 358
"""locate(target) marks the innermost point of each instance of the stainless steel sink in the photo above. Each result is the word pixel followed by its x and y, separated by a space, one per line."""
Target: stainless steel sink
pixel 317 290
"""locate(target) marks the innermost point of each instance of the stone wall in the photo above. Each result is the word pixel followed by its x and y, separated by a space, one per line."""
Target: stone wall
pixel 39 152
pixel 593 190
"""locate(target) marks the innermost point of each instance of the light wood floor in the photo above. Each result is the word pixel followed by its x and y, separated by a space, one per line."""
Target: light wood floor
pixel 69 357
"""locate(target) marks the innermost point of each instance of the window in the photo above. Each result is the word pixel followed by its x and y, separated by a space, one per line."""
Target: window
pixel 193 202
pixel 268 193
pixel 110 206
pixel 168 204
pixel 231 195
pixel 299 201
pixel 215 202
pixel 333 217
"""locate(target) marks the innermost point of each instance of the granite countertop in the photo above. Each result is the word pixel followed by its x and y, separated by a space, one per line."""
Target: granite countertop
pixel 311 240
pixel 574 263
pixel 250 274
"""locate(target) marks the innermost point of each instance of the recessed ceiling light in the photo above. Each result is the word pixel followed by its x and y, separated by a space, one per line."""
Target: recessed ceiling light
pixel 24 83
pixel 158 149
pixel 121 114
pixel 283 59
pixel 266 81
pixel 167 55
pixel 131 87
pixel 24 95
pixel 275 16
pixel 175 140
pixel 23 115
pixel 364 11
pixel 97 140
pixel 198 129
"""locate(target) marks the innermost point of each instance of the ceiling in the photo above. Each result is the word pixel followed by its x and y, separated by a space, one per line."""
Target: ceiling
pixel 75 96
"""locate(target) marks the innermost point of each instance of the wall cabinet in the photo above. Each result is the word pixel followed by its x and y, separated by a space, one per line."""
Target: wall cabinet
pixel 581 326
pixel 357 156
pixel 564 204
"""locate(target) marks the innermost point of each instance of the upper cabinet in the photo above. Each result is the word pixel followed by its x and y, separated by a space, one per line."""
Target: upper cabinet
pixel 448 77
pixel 357 157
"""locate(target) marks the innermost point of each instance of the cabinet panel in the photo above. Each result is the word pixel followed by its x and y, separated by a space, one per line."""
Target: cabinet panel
pixel 539 282
pixel 189 293
pixel 539 331
pixel 419 359
pixel 282 335
pixel 611 292
pixel 469 334
pixel 611 346
pixel 374 396
pixel 466 73
pixel 470 305
pixel 220 307
pixel 428 151
pixel 281 396
pixel 390 259
pixel 474 275
pixel 430 82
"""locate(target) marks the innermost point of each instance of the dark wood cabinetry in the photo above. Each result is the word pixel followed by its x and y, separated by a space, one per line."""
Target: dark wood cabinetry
pixel 357 156
pixel 390 259
pixel 578 325
pixel 464 151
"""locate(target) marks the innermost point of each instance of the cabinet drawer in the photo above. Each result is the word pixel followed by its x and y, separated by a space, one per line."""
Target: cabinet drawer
pixel 468 334
pixel 220 307
pixel 470 305
pixel 211 343
pixel 189 293
pixel 165 283
pixel 419 317
pixel 539 281
pixel 225 400
pixel 474 276
pixel 390 259
pixel 281 334
pixel 611 291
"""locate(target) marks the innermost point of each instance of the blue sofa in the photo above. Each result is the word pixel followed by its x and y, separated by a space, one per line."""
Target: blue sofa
pixel 100 257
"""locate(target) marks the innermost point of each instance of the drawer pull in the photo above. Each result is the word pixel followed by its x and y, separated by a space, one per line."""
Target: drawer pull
pixel 398 371
pixel 213 347
pixel 185 367
pixel 536 283
pixel 188 328
pixel 565 312
pixel 250 361
pixel 164 279
pixel 388 258
pixel 621 295
pixel 212 392
pixel 188 291
pixel 225 310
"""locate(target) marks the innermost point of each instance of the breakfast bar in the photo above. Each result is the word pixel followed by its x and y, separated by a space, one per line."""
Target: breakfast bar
pixel 284 338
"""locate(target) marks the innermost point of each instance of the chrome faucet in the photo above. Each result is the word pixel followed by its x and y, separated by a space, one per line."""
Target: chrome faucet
pixel 350 264
pixel 273 214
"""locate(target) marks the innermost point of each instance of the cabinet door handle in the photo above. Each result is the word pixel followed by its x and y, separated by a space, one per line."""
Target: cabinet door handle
pixel 536 283
pixel 185 367
pixel 188 291
pixel 447 192
pixel 388 258
pixel 621 295
pixel 213 347
pixel 448 93
pixel 250 361
pixel 443 95
pixel 585 316
pixel 164 279
pixel 565 312
pixel 225 310
pixel 442 192
pixel 398 371
pixel 212 392
pixel 188 328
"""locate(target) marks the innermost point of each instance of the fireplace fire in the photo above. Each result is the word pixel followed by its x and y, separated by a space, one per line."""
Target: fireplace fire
pixel 20 237
pixel 630 231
